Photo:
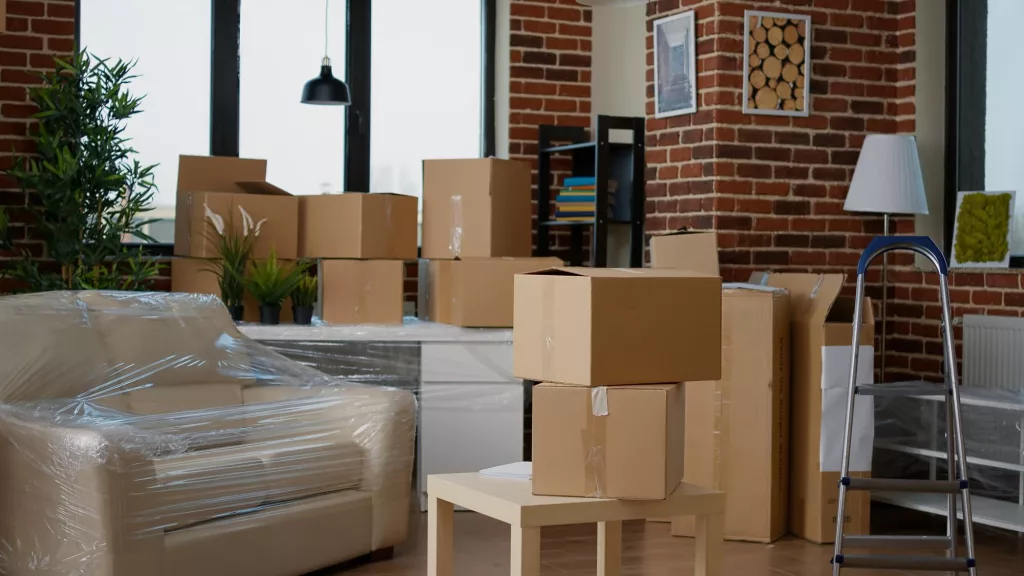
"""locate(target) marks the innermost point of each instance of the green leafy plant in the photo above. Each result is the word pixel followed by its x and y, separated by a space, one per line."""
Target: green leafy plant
pixel 304 293
pixel 270 282
pixel 233 251
pixel 90 190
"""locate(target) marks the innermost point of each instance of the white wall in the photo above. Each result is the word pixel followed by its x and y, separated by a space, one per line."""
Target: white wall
pixel 619 61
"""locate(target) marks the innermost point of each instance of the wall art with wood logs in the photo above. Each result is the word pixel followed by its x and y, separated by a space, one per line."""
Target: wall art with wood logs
pixel 777 61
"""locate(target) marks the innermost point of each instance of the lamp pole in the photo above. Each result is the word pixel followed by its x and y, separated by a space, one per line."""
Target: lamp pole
pixel 885 297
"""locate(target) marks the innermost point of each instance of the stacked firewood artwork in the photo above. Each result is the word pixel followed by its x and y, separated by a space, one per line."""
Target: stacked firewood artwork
pixel 776 63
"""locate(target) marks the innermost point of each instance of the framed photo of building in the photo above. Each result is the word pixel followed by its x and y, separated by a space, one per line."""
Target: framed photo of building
pixel 675 65
pixel 777 63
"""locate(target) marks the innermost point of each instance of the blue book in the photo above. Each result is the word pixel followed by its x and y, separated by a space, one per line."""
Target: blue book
pixel 585 215
pixel 579 181
pixel 575 199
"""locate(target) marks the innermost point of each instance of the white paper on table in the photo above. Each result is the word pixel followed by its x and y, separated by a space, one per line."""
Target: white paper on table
pixel 835 389
pixel 515 471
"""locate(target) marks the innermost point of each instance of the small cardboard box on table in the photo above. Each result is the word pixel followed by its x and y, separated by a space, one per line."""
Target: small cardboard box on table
pixel 822 333
pixel 611 349
pixel 358 225
pixel 223 185
pixel 360 291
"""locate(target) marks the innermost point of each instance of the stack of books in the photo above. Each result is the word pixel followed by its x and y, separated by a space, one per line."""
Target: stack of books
pixel 577 199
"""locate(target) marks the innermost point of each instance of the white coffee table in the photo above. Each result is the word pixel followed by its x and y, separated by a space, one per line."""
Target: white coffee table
pixel 513 502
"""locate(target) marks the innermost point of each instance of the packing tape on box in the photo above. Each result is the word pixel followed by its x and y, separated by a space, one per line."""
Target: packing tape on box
pixel 547 304
pixel 455 241
pixel 594 438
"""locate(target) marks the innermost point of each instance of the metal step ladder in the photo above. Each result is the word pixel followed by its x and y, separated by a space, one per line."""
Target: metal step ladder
pixel 955 487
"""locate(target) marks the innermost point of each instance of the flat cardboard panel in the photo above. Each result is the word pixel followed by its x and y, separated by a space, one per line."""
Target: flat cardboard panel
pixel 476 208
pixel 737 429
pixel 602 326
pixel 619 447
pixel 358 225
pixel 477 292
pixel 361 291
pixel 208 174
pixel 697 251
pixel 819 318
pixel 193 275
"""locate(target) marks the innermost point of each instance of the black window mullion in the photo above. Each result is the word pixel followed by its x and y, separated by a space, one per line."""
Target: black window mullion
pixel 488 11
pixel 357 75
pixel 224 72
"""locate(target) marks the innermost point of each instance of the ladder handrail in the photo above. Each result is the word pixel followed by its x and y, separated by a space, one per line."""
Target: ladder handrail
pixel 922 245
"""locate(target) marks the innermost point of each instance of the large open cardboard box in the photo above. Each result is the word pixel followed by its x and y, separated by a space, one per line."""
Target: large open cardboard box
pixel 223 184
pixel 607 326
pixel 822 334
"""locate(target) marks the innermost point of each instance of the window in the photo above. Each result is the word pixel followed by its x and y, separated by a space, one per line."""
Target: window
pixel 429 84
pixel 279 51
pixel 985 122
pixel 224 77
pixel 171 43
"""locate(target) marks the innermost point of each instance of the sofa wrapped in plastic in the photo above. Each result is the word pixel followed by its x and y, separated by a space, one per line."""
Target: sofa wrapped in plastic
pixel 142 435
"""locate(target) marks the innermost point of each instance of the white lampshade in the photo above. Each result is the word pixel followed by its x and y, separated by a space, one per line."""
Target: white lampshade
pixel 888 178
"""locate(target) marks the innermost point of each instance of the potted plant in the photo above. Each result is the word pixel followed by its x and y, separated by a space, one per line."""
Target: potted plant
pixel 270 283
pixel 233 251
pixel 87 190
pixel 303 299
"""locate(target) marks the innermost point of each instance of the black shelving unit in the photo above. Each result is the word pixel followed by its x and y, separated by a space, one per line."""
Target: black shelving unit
pixel 605 160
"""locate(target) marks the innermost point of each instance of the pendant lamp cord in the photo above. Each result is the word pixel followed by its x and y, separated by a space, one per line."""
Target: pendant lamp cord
pixel 326 35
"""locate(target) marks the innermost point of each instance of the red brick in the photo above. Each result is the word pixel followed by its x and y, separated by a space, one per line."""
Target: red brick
pixel 846 20
pixel 560 43
pixel 21 42
pixel 539 26
pixel 810 156
pixel 55 10
pixel 771 224
pixel 809 225
pixel 527 10
pixel 680 154
pixel 565 14
pixel 1011 281
pixel 987 298
pixel 772 188
pixel 574 30
pixel 51 26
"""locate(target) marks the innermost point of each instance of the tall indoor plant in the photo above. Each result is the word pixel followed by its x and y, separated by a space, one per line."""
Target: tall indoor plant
pixel 90 192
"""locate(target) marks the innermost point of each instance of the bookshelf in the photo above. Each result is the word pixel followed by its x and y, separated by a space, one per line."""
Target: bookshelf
pixel 606 160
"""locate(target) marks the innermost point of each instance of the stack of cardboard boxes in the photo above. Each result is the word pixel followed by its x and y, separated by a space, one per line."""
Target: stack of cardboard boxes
pixel 769 431
pixel 358 240
pixel 611 349
pixel 476 237
pixel 223 185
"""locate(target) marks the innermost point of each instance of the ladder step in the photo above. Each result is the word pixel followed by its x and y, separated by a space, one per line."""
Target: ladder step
pixel 907 562
pixel 901 389
pixel 900 485
pixel 903 542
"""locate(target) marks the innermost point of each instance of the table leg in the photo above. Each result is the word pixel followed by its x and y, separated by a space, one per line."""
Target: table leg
pixel 609 548
pixel 440 541
pixel 710 544
pixel 525 551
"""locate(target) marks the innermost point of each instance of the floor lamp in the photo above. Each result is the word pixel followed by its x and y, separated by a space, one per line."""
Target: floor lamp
pixel 887 181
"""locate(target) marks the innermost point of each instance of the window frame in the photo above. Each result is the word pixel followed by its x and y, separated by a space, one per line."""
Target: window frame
pixel 225 30
pixel 957 78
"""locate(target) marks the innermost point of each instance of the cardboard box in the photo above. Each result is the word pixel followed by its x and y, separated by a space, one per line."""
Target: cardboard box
pixel 686 250
pixel 737 429
pixel 358 225
pixel 361 291
pixel 475 292
pixel 193 275
pixel 224 184
pixel 477 208
pixel 822 336
pixel 607 326
pixel 614 442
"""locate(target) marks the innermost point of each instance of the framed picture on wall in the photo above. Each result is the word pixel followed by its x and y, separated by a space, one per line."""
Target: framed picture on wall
pixel 983 229
pixel 675 65
pixel 777 63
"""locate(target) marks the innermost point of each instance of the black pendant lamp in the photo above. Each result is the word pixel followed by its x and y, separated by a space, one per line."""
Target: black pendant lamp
pixel 325 89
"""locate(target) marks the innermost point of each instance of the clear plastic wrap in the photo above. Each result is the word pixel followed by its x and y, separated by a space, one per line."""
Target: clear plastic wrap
pixel 910 442
pixel 142 434
pixel 472 408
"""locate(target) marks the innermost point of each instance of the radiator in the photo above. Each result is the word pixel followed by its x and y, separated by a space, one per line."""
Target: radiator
pixel 993 353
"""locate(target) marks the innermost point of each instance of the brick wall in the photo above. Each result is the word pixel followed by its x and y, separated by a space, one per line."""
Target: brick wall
pixel 773 187
pixel 549 78
pixel 37 30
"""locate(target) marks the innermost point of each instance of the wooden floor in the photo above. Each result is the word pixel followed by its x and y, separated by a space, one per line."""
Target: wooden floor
pixel 482 549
